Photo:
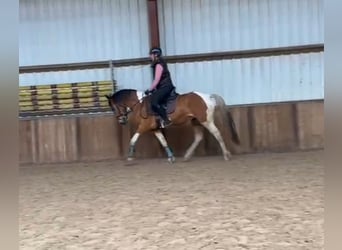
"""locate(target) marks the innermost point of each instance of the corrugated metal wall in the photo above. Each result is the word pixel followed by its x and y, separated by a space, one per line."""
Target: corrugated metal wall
pixel 255 80
pixel 239 81
pixel 200 26
pixel 81 30
pixel 66 31
pixel 203 26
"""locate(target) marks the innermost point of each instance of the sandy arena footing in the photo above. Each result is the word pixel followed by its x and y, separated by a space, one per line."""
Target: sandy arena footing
pixel 261 201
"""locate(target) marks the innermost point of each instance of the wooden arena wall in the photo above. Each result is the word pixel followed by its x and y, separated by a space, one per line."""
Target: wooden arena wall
pixel 278 127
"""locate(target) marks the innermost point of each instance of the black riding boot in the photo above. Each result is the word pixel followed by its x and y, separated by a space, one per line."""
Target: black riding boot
pixel 165 119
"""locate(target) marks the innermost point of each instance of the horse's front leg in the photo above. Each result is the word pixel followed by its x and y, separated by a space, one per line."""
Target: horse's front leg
pixel 132 143
pixel 163 142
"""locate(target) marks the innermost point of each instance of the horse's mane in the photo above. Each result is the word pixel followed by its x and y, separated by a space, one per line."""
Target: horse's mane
pixel 122 94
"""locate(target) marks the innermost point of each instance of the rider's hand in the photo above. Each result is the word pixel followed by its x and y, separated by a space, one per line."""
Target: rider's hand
pixel 147 91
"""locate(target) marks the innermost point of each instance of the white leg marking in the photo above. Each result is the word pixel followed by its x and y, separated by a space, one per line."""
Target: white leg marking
pixel 132 143
pixel 134 139
pixel 198 138
pixel 161 138
pixel 163 142
pixel 216 133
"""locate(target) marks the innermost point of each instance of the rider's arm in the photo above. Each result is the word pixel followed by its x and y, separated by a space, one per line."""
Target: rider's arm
pixel 158 73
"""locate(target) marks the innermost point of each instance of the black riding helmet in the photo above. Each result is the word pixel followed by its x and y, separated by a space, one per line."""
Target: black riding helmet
pixel 156 51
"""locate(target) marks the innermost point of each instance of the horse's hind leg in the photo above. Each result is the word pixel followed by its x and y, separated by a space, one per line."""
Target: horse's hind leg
pixel 210 125
pixel 163 142
pixel 198 136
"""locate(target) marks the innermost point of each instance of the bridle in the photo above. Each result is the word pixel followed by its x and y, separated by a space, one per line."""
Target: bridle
pixel 123 116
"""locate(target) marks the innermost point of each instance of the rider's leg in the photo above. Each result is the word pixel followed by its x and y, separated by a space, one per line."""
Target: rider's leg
pixel 157 99
pixel 163 93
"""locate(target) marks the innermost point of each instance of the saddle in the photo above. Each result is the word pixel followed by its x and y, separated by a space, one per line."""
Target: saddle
pixel 169 104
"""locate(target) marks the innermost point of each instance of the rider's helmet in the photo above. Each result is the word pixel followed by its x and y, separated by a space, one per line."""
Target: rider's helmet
pixel 156 51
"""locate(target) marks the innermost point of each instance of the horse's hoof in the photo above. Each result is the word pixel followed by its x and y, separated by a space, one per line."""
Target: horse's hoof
pixel 186 159
pixel 171 159
pixel 226 158
pixel 130 159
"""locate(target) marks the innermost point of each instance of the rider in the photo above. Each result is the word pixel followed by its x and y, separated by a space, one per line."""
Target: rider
pixel 161 86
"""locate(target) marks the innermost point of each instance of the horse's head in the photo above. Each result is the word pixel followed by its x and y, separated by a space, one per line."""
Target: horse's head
pixel 122 103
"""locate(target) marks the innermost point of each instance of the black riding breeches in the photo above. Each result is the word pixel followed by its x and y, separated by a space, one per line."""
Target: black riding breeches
pixel 159 97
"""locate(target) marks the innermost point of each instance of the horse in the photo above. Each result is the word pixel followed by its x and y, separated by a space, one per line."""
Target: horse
pixel 133 106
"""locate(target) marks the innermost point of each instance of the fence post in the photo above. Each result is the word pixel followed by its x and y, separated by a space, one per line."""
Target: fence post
pixel 112 75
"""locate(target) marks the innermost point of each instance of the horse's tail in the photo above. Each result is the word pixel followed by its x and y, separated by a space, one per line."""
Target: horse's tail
pixel 235 136
pixel 220 103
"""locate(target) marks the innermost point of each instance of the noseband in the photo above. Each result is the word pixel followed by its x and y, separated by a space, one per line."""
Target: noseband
pixel 126 109
pixel 123 116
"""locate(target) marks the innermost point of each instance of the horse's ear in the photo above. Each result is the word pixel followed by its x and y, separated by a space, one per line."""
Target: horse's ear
pixel 108 97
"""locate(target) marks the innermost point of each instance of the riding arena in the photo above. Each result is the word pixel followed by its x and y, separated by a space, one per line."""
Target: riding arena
pixel 240 166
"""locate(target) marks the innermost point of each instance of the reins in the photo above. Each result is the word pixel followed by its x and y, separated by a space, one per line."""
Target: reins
pixel 130 109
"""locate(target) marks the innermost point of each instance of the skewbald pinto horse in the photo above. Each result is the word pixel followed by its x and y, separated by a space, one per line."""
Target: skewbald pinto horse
pixel 130 105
